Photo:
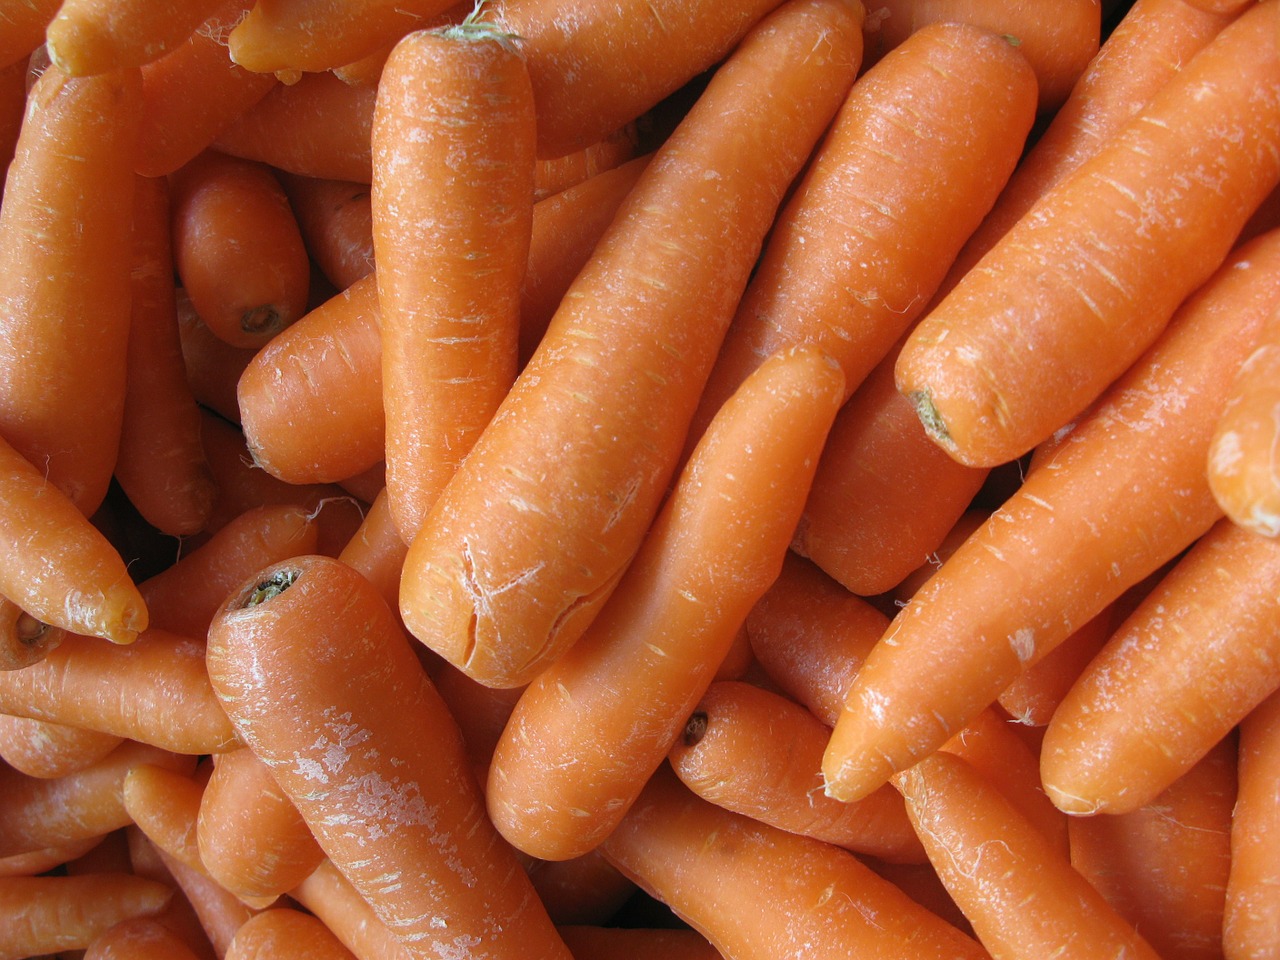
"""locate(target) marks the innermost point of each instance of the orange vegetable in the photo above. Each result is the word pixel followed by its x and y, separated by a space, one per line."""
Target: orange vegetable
pixel 140 938
pixel 98 36
pixel 23 639
pixel 282 932
pixel 336 221
pixel 1251 921
pixel 40 748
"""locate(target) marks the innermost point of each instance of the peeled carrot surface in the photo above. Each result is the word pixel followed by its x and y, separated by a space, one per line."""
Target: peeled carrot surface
pixel 678 635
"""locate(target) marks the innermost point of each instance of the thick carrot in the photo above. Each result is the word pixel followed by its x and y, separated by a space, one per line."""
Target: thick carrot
pixel 44 915
pixel 757 892
pixel 509 569
pixel 48 750
pixel 911 180
pixel 24 640
pixel 140 938
pixel 1243 471
pixel 452 210
pixel 64 279
pixel 336 220
pixel 1194 658
pixel 237 248
pixel 592 727
pixel 1164 866
pixel 55 565
pixel 154 690
pixel 1019 891
pixel 758 754
pixel 1251 921
pixel 1087 279
pixel 98 36
pixel 1083 528
pixel 282 932
pixel 368 729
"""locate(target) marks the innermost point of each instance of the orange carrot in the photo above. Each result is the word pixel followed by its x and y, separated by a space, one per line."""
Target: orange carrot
pixel 1190 662
pixel 13 106
pixel 64 279
pixel 481 712
pixel 757 892
pixel 1242 460
pixel 213 366
pixel 1251 922
pixel 376 550
pixel 452 209
pixel 911 180
pixel 282 932
pixel 509 569
pixel 592 727
pixel 48 750
pixel 637 943
pixel 164 804
pixel 140 938
pixel 367 728
pixel 1073 294
pixel 24 26
pixel 180 916
pixel 1083 528
pixel 583 890
pixel 1034 696
pixel 551 176
pixel 1019 891
pixel 219 912
pixel 24 640
pixel 43 861
pixel 98 36
pixel 327 894
pixel 336 220
pixel 760 755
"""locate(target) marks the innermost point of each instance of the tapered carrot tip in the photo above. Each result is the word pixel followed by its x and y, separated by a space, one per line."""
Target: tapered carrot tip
pixel 122 614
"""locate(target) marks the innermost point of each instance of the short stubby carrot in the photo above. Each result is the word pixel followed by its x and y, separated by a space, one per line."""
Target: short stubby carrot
pixel 452 202
pixel 1084 282
pixel 1115 502
pixel 535 528
pixel 368 753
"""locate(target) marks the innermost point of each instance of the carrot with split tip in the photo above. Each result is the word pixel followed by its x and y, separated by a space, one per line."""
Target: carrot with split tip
pixel 1177 676
pixel 1251 921
pixel 452 209
pixel 593 726
pixel 98 36
pixel 1117 501
pixel 24 640
pixel 41 748
pixel 1072 295
pixel 1019 891
pixel 64 279
pixel 283 932
pixel 140 938
pixel 509 569
pixel 362 725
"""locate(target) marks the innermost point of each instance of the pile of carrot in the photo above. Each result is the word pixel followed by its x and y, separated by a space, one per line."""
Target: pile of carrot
pixel 755 479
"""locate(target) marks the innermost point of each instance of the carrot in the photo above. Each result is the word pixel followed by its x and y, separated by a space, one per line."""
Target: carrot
pixel 1018 890
pixel 1251 921
pixel 44 915
pixel 315 35
pixel 219 912
pixel 1164 866
pixel 24 640
pixel 164 804
pixel 452 210
pixel 481 712
pixel 1083 528
pixel 98 36
pixel 614 943
pixel 966 525
pixel 336 221
pixel 553 175
pixel 36 862
pixel 1220 6
pixel 180 916
pixel 507 571
pixel 237 248
pixel 24 26
pixel 328 895
pixel 590 729
pixel 192 93
pixel 13 106
pixel 1021 345
pixel 910 192
pixel 140 938
pixel 1194 658
pixel 376 550
pixel 154 690
pixel 367 728
pixel 110 854
pixel 213 366
pixel 282 932
pixel 48 750
pixel 758 754
pixel 55 566
pixel 757 892
pixel 64 296
pixel 583 890
pixel 1242 458
pixel 1032 698
pixel 251 838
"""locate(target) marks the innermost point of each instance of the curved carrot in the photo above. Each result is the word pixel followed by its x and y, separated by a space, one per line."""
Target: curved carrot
pixel 757 892
pixel 1083 528
pixel 1243 474
pixel 508 569
pixel 909 193
pixel 64 279
pixel 24 640
pixel 1133 723
pixel 1251 921
pixel 140 938
pixel 40 748
pixel 97 36
pixel 237 248
pixel 368 729
pixel 758 754
pixel 1021 345
pixel 452 210
pixel 1019 891
pixel 282 932
pixel 336 220
pixel 590 729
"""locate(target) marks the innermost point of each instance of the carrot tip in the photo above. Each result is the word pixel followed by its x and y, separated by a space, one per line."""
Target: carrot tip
pixel 265 319
pixel 695 729
pixel 272 586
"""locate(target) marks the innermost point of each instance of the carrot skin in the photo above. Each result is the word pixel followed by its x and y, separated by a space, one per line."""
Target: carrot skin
pixel 141 938
pixel 1251 921
pixel 90 36
pixel 281 933
pixel 41 748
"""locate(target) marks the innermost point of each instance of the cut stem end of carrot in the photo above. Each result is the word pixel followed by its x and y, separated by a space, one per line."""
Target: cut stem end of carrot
pixel 271 587
pixel 934 424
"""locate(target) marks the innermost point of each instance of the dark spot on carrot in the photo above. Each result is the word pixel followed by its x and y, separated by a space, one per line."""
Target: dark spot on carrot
pixel 272 586
pixel 695 729
pixel 265 319
pixel 30 631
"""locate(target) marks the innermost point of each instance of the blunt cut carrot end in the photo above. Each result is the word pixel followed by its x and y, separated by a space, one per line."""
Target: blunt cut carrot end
pixel 268 588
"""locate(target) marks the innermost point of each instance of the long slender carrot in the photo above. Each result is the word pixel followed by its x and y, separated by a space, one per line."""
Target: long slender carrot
pixel 911 182
pixel 64 279
pixel 1019 891
pixel 508 570
pixel 140 938
pixel 1194 658
pixel 1251 921
pixel 283 932
pixel 1116 502
pixel 164 804
pixel 452 211
pixel 758 892
pixel 97 36
pixel 1087 279
pixel 48 750
pixel 370 756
